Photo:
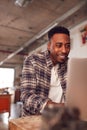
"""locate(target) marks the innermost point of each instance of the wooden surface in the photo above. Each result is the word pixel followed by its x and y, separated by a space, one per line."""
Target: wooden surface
pixel 5 103
pixel 25 123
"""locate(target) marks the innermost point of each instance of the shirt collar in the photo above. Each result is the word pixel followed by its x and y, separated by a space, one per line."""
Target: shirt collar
pixel 48 59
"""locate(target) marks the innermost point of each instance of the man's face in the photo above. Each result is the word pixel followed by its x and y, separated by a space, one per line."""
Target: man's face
pixel 59 47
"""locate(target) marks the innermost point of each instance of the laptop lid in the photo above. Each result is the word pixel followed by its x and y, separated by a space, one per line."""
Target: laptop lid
pixel 76 93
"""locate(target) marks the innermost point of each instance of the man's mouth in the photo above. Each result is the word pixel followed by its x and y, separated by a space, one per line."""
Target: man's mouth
pixel 62 56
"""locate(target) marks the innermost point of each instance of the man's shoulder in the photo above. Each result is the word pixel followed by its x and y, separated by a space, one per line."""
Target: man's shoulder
pixel 39 55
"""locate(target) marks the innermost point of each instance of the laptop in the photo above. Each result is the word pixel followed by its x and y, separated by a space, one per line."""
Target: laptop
pixel 76 93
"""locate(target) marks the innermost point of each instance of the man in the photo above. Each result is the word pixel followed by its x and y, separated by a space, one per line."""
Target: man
pixel 44 74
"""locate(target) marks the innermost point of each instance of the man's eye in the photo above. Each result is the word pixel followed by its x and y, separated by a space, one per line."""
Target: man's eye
pixel 67 46
pixel 59 45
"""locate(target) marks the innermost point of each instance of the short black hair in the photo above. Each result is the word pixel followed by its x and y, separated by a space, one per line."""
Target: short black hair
pixel 58 29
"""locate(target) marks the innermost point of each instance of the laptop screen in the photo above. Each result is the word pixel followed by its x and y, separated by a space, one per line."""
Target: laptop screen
pixel 76 93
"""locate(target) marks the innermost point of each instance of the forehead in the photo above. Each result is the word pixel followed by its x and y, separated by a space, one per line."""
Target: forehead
pixel 61 37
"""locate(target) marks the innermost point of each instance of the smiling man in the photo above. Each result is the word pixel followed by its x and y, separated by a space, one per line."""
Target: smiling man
pixel 44 74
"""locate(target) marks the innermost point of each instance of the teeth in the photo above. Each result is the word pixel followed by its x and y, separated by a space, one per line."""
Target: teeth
pixel 62 56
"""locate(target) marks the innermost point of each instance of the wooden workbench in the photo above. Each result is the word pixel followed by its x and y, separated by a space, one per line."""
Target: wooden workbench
pixel 36 123
pixel 25 123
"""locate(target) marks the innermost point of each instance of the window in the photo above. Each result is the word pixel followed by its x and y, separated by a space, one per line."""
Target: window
pixel 6 77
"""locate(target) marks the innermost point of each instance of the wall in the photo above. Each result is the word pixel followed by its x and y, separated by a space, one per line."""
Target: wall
pixel 78 49
pixel 18 72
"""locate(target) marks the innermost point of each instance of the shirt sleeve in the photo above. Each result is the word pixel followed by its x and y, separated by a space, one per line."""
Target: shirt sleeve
pixel 32 100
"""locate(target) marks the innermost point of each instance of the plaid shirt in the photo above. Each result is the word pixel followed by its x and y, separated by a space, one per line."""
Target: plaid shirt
pixel 35 82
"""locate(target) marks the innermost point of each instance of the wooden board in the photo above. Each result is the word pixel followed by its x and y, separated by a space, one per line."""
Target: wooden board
pixel 25 123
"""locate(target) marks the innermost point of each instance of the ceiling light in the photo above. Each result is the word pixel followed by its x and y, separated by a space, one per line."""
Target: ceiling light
pixel 22 3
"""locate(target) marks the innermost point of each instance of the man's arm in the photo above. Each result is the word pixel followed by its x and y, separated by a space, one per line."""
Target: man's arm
pixel 32 101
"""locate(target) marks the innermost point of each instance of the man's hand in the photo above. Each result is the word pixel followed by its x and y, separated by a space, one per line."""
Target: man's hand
pixel 50 102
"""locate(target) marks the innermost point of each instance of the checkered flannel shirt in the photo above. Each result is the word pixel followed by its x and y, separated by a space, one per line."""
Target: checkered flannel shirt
pixel 35 82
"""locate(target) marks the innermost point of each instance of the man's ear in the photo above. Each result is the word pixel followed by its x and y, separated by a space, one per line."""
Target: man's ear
pixel 48 46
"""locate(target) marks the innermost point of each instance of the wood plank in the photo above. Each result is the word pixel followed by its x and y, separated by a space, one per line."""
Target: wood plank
pixel 25 123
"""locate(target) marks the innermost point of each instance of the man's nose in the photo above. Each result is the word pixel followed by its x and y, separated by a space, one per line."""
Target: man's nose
pixel 63 49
